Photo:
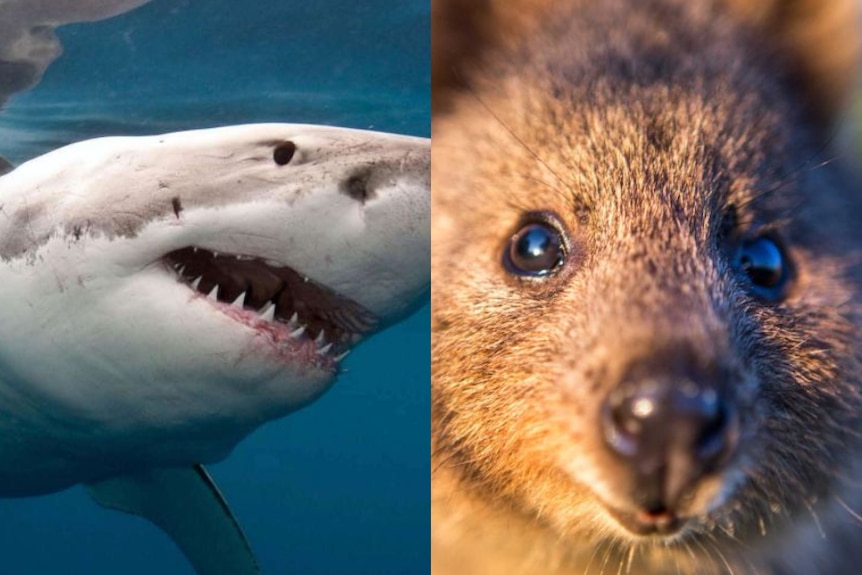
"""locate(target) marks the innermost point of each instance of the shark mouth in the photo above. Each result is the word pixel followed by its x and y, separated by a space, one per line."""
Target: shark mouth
pixel 274 298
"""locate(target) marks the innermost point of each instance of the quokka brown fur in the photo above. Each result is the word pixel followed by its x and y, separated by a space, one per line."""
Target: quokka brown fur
pixel 646 288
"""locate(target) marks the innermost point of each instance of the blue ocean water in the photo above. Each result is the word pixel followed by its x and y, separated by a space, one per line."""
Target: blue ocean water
pixel 342 486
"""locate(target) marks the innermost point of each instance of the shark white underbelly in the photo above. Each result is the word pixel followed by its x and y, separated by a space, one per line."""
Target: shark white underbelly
pixel 163 296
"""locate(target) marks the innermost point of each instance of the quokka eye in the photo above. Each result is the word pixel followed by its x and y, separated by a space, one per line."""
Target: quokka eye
pixel 535 250
pixel 765 263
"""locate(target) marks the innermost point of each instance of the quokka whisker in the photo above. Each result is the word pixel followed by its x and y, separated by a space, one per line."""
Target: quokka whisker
pixel 646 269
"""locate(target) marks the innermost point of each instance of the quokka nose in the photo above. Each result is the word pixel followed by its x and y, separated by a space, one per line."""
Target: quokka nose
pixel 672 427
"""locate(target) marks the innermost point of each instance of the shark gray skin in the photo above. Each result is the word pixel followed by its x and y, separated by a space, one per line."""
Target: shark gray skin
pixel 166 295
pixel 28 44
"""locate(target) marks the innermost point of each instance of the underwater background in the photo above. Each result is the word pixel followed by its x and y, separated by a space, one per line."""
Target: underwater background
pixel 343 485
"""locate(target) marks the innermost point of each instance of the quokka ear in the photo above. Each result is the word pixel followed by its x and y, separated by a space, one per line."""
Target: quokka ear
pixel 462 30
pixel 820 40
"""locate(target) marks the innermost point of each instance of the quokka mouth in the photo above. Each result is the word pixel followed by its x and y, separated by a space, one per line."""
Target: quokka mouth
pixel 305 309
pixel 665 523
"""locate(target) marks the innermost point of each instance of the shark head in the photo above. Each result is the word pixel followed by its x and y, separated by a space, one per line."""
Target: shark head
pixel 165 295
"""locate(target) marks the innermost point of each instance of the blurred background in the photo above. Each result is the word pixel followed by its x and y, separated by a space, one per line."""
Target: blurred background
pixel 342 486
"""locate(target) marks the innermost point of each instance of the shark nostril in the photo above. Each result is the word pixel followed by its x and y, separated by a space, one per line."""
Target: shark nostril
pixel 283 153
pixel 356 186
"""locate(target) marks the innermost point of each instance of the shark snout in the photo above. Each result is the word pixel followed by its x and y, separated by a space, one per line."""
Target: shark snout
pixel 348 210
pixel 369 182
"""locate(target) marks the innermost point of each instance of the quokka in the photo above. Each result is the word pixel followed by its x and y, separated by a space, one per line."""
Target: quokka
pixel 647 246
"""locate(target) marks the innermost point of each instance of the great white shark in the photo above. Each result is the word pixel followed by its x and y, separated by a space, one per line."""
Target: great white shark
pixel 163 296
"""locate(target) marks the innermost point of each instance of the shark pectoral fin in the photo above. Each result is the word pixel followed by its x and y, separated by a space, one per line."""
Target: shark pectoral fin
pixel 188 506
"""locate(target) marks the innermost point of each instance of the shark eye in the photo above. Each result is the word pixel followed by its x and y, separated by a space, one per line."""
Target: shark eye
pixel 765 263
pixel 537 249
pixel 283 153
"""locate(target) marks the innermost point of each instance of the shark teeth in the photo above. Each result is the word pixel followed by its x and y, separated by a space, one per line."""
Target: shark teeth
pixel 298 333
pixel 238 302
pixel 268 312
pixel 269 291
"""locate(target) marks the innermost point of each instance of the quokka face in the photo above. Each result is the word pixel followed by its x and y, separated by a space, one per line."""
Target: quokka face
pixel 646 291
